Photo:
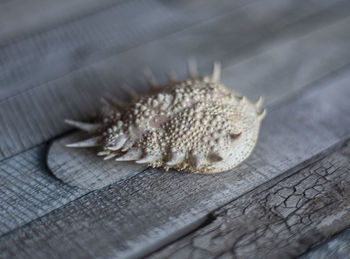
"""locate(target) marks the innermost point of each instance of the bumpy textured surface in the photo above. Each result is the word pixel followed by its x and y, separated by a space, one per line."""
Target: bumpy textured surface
pixel 197 125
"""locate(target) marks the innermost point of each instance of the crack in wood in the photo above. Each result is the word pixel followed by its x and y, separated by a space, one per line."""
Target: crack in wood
pixel 249 227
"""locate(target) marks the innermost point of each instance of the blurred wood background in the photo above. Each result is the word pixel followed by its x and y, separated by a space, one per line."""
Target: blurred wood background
pixel 290 196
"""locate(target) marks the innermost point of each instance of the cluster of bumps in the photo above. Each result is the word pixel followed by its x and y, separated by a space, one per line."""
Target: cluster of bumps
pixel 197 125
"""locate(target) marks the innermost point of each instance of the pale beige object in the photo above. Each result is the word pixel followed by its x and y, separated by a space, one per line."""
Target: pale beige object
pixel 197 125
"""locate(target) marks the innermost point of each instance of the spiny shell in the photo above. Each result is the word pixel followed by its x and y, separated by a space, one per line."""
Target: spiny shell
pixel 197 125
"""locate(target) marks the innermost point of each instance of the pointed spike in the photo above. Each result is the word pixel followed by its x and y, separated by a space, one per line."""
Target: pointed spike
pixel 128 144
pixel 192 68
pixel 103 153
pixel 196 160
pixel 114 101
pixel 242 99
pixel 107 107
pixel 132 154
pixel 109 156
pixel 235 135
pixel 129 90
pixel 104 101
pixel 119 142
pixel 215 76
pixel 171 76
pixel 175 158
pixel 91 142
pixel 259 102
pixel 238 97
pixel 215 157
pixel 88 127
pixel 151 78
pixel 149 158
pixel 262 114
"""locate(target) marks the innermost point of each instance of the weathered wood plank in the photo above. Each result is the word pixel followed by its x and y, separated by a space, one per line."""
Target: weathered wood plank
pixel 297 56
pixel 19 18
pixel 338 247
pixel 74 96
pixel 54 53
pixel 283 221
pixel 140 214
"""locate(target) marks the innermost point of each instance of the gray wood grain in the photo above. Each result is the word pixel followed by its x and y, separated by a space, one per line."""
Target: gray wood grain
pixel 143 213
pixel 22 18
pixel 53 53
pixel 49 55
pixel 74 96
pixel 78 97
pixel 288 218
pixel 338 247
pixel 28 191
pixel 296 54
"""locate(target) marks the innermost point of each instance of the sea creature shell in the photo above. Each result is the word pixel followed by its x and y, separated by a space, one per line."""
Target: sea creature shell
pixel 197 125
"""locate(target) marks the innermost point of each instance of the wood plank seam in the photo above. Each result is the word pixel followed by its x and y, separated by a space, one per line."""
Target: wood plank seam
pixel 336 247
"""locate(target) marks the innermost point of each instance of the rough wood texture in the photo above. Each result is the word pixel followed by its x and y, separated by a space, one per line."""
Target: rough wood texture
pixel 21 18
pixel 336 248
pixel 284 221
pixel 143 213
pixel 74 95
pixel 48 55
pixel 267 80
pixel 28 191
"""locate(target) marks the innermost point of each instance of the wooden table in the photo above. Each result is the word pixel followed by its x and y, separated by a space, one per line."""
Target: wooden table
pixel 292 194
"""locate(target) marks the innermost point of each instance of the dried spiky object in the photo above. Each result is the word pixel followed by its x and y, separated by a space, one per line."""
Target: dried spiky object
pixel 197 125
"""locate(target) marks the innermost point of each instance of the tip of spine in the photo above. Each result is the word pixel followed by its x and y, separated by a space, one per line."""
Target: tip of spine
pixel 171 76
pixel 119 142
pixel 148 159
pixel 91 142
pixel 175 158
pixel 215 157
pixel 88 127
pixel 192 68
pixel 196 161
pixel 151 79
pixel 216 74
pixel 262 114
pixel 259 102
pixel 109 156
pixel 132 154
